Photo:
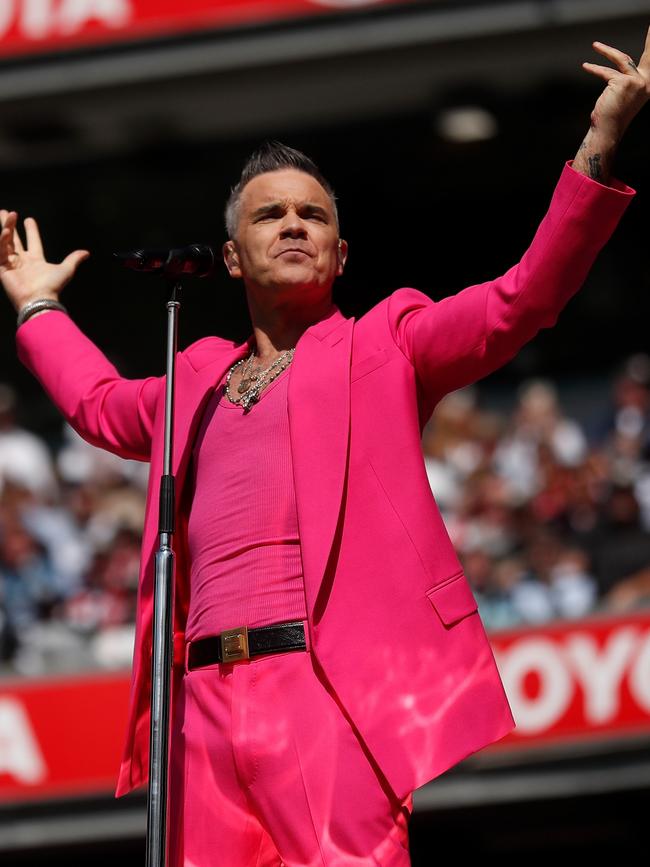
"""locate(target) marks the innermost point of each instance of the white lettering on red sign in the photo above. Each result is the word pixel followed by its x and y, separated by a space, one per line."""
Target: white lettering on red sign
pixel 42 19
pixel 20 756
pixel 36 18
pixel 639 679
pixel 74 14
pixel 560 668
pixel 600 671
pixel 542 657
pixel 6 16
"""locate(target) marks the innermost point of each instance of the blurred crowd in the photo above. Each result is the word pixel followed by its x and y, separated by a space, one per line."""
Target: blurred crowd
pixel 70 533
pixel 550 517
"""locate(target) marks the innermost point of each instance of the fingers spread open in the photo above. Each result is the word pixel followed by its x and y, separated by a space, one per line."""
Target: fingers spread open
pixel 8 219
pixel 622 61
pixel 7 249
pixel 34 243
pixel 18 244
pixel 604 72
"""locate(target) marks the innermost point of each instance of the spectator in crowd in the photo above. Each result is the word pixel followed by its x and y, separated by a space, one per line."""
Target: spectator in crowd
pixel 69 554
pixel 539 433
pixel 24 458
pixel 621 550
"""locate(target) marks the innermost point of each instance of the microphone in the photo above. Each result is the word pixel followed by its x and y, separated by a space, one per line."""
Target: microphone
pixel 195 260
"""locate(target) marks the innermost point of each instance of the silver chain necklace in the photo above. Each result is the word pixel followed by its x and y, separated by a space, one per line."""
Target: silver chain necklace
pixel 252 383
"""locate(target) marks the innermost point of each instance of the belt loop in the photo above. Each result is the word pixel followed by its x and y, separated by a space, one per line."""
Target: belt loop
pixel 187 653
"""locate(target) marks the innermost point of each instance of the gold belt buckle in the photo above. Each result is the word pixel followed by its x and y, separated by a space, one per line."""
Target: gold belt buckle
pixel 234 644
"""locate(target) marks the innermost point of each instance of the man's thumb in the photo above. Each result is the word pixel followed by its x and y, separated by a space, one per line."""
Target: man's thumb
pixel 73 260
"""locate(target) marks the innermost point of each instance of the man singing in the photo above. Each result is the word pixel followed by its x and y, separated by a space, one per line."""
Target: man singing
pixel 329 655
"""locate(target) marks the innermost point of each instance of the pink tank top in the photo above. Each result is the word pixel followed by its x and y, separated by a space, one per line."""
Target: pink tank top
pixel 246 566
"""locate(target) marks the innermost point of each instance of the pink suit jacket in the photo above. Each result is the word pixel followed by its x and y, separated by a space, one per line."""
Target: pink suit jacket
pixel 393 623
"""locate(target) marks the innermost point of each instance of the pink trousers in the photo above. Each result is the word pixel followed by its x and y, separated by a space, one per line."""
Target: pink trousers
pixel 265 769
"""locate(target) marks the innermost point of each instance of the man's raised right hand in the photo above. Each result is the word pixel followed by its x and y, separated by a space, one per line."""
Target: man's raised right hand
pixel 24 273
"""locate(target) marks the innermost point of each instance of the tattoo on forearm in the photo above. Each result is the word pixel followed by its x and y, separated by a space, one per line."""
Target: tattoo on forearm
pixel 595 168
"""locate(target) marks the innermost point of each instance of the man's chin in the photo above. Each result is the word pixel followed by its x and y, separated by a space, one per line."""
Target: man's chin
pixel 295 277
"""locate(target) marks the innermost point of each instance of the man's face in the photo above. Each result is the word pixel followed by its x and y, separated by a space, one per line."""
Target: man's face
pixel 287 245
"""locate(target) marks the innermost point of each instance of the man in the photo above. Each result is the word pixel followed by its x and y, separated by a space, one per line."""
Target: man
pixel 304 512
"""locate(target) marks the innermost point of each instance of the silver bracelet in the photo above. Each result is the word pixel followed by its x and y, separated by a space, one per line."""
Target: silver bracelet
pixel 36 306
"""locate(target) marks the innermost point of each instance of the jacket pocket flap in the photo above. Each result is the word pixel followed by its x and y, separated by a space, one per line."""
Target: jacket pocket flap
pixel 454 599
pixel 368 364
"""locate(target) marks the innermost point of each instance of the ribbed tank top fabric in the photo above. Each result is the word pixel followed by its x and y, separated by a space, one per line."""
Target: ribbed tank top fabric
pixel 244 546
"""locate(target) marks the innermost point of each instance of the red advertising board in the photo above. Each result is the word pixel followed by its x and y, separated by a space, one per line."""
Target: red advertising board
pixel 61 736
pixel 577 680
pixel 567 681
pixel 36 26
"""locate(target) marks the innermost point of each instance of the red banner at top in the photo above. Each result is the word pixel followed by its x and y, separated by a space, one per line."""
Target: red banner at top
pixel 36 26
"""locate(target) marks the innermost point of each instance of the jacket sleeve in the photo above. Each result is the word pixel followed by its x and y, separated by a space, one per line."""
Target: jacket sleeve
pixel 107 410
pixel 464 337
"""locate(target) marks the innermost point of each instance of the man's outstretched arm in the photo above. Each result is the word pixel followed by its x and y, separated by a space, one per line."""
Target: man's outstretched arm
pixel 464 337
pixel 107 410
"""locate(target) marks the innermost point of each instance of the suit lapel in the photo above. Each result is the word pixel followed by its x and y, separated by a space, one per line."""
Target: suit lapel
pixel 319 424
pixel 192 391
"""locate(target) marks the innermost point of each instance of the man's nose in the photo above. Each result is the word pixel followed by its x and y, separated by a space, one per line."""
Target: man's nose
pixel 293 226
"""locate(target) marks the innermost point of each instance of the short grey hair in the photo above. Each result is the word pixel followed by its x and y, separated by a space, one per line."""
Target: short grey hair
pixel 272 156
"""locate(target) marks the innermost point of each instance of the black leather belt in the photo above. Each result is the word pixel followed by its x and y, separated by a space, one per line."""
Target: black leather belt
pixel 242 643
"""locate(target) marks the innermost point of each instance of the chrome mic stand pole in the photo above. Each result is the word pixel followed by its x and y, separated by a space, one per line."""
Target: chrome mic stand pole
pixel 162 653
pixel 197 260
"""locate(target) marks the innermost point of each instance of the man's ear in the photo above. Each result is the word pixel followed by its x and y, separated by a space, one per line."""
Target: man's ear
pixel 342 254
pixel 231 258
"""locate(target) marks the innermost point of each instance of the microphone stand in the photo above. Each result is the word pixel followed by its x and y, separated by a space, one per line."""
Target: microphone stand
pixel 162 651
